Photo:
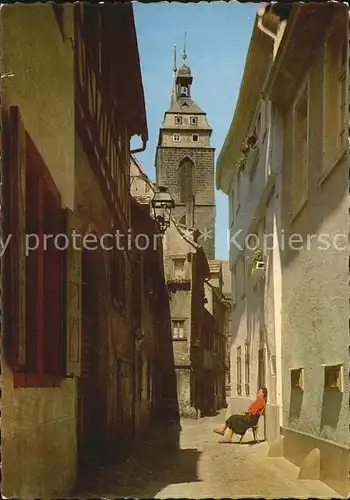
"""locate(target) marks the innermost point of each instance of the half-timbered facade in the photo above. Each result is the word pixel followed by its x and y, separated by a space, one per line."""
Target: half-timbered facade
pixel 68 113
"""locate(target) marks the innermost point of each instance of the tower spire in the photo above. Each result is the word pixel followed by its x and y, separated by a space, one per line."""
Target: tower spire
pixel 184 54
pixel 174 68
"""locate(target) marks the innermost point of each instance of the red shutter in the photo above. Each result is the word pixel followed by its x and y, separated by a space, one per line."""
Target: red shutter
pixel 73 294
pixel 17 227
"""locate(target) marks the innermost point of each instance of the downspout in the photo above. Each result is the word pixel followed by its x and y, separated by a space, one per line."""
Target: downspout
pixel 143 148
pixel 265 30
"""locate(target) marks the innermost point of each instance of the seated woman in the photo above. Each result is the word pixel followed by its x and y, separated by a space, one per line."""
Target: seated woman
pixel 239 424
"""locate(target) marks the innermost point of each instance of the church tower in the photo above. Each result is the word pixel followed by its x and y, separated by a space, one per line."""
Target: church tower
pixel 185 160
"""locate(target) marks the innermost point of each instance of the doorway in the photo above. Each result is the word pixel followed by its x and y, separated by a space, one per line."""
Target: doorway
pixel 87 411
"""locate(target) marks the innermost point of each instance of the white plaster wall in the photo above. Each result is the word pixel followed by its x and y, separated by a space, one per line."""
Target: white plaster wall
pixel 315 328
pixel 249 197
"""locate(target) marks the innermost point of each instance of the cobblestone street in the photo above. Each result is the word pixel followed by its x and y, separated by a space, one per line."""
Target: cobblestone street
pixel 201 468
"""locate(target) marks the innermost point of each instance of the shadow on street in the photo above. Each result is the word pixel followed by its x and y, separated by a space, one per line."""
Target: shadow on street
pixel 149 466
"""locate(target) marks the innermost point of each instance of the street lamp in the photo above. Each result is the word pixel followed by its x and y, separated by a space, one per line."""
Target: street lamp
pixel 162 204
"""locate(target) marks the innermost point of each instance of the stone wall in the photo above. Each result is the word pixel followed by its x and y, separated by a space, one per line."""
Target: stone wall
pixel 167 164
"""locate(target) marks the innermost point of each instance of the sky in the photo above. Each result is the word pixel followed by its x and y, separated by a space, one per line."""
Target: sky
pixel 218 36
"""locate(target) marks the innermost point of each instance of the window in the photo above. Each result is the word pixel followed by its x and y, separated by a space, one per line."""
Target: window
pixel 184 92
pixel 257 128
pixel 176 137
pixel 195 137
pixel 179 267
pixel 186 177
pixel 179 330
pixel 261 367
pixel 335 112
pixel 119 278
pixel 247 369
pixel 147 188
pixel 194 120
pixel 234 285
pixel 239 371
pixel 231 207
pixel 38 345
pixel 273 364
pixel 241 278
pixel 333 378
pixel 238 191
pixel 178 120
pixel 297 378
pixel 300 150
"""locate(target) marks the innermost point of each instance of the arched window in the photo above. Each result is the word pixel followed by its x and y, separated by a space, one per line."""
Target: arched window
pixel 186 178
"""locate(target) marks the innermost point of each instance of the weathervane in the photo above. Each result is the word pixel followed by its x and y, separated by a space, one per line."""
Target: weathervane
pixel 174 68
pixel 184 54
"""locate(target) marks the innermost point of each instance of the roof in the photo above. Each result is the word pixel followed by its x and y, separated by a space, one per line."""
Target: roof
pixel 255 71
pixel 119 27
pixel 185 105
pixel 184 71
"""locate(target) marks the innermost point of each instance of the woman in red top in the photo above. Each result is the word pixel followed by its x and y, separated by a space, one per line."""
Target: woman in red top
pixel 239 424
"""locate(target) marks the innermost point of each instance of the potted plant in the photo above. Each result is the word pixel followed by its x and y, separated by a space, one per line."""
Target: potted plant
pixel 258 256
pixel 248 144
pixel 258 265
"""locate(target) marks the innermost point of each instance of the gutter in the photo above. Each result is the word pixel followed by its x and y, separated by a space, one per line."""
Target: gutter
pixel 143 148
pixel 277 62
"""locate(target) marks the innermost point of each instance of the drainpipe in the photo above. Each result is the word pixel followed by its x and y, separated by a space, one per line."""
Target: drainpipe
pixel 261 12
pixel 140 150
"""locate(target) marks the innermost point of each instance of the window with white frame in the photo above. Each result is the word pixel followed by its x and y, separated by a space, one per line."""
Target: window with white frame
pixel 335 90
pixel 179 329
pixel 194 120
pixel 195 137
pixel 178 120
pixel 300 148
pixel 176 137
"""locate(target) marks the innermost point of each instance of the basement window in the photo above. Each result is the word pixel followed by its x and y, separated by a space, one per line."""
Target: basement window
pixel 333 377
pixel 297 378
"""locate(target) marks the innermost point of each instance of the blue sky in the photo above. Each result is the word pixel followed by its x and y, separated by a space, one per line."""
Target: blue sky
pixel 218 36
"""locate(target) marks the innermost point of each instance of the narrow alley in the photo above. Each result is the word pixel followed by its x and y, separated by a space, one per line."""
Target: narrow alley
pixel 200 468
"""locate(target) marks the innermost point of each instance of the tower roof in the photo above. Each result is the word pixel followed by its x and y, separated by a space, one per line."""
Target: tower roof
pixel 184 71
pixel 181 104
